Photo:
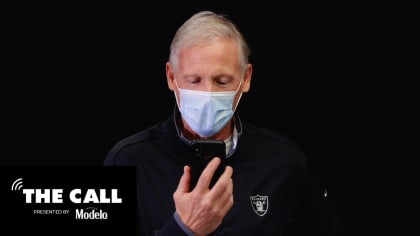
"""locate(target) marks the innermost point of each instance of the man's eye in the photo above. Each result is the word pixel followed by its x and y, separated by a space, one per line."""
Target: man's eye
pixel 195 81
pixel 221 82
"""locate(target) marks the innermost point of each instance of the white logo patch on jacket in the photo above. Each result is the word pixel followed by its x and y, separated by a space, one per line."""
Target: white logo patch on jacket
pixel 259 204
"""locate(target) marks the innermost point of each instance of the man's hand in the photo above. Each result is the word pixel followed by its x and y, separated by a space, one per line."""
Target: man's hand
pixel 202 210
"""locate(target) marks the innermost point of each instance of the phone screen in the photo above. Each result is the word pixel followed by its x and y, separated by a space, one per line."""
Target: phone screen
pixel 204 151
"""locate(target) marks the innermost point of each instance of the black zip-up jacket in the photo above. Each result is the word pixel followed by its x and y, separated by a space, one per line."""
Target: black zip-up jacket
pixel 270 183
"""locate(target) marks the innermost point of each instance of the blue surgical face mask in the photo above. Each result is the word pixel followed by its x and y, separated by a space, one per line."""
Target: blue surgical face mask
pixel 206 113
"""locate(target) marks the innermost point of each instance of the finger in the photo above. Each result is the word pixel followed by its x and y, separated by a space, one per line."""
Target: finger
pixel 227 199
pixel 223 183
pixel 184 182
pixel 207 174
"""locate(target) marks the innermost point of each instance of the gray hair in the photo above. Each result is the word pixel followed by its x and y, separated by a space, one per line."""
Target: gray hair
pixel 203 28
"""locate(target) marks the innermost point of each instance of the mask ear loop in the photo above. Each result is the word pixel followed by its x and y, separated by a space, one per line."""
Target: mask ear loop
pixel 176 98
pixel 237 102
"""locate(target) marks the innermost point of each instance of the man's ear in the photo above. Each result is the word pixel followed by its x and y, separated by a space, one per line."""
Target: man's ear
pixel 170 76
pixel 247 79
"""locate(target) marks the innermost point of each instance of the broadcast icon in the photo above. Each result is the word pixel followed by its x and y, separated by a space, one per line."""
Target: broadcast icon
pixel 17 185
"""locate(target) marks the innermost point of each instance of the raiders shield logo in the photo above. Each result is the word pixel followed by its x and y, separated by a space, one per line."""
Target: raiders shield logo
pixel 259 204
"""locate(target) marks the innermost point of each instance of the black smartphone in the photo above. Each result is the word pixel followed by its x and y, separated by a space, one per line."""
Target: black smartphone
pixel 204 151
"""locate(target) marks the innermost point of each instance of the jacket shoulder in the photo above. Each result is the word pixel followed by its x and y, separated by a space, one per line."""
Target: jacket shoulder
pixel 119 155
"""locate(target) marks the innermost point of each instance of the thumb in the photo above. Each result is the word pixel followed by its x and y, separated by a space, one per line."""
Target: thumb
pixel 184 182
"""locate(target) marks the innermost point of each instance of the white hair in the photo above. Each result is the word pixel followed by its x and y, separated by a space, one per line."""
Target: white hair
pixel 203 28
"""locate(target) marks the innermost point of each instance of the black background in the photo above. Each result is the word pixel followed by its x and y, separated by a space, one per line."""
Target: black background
pixel 336 77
